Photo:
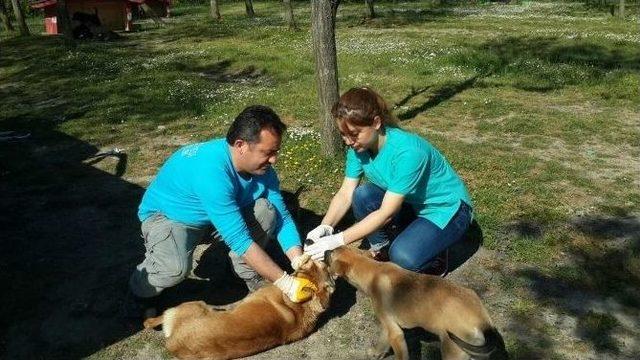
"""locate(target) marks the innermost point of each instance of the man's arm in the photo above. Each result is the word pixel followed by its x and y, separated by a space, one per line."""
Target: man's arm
pixel 287 233
pixel 294 252
pixel 262 263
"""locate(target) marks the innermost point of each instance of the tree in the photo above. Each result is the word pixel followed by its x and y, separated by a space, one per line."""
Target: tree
pixel 371 14
pixel 64 22
pixel 22 24
pixel 215 10
pixel 621 9
pixel 248 4
pixel 288 14
pixel 323 21
pixel 4 17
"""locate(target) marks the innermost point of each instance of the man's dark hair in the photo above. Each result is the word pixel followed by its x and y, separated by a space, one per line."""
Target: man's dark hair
pixel 251 121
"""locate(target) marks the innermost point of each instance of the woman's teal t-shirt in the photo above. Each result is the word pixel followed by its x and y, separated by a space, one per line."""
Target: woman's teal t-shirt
pixel 409 165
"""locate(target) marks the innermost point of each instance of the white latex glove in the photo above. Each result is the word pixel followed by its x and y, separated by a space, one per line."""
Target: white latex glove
pixel 320 231
pixel 299 260
pixel 297 289
pixel 317 249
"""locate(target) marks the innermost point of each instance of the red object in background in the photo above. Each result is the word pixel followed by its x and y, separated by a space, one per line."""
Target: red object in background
pixel 113 14
pixel 50 24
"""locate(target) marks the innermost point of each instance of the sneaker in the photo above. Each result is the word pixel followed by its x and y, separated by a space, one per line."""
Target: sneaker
pixel 136 307
pixel 381 255
pixel 438 266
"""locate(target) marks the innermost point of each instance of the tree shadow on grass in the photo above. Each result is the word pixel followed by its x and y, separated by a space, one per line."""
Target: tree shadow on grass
pixel 70 239
pixel 70 235
pixel 105 83
pixel 596 289
pixel 530 64
pixel 440 95
pixel 390 16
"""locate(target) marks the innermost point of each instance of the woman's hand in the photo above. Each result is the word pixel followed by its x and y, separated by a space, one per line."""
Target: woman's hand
pixel 320 231
pixel 317 249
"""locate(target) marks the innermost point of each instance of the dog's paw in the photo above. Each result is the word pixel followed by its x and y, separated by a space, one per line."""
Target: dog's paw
pixel 375 352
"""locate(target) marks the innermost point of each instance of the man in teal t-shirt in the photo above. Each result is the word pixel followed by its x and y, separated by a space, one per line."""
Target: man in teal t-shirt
pixel 230 184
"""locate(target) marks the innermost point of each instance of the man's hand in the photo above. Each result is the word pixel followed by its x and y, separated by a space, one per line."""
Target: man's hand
pixel 320 231
pixel 297 289
pixel 317 249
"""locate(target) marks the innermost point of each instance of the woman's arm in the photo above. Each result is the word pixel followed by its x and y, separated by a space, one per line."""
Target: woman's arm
pixel 341 202
pixel 391 204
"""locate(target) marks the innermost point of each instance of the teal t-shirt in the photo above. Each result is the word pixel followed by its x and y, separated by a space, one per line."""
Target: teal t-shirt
pixel 198 186
pixel 409 165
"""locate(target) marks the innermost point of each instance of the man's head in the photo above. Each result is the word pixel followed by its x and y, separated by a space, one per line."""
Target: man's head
pixel 255 136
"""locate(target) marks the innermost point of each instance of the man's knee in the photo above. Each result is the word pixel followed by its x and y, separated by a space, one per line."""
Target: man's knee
pixel 175 270
pixel 266 216
pixel 155 274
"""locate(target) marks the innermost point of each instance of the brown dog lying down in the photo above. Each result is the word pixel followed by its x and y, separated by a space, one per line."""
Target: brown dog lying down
pixel 262 320
pixel 404 299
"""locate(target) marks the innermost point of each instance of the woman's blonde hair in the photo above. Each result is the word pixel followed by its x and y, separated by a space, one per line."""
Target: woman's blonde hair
pixel 359 106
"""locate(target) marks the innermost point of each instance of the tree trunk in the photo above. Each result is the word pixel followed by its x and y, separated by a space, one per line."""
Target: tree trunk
pixel 4 17
pixel 64 22
pixel 621 9
pixel 288 14
pixel 215 10
pixel 371 14
pixel 22 24
pixel 324 47
pixel 248 4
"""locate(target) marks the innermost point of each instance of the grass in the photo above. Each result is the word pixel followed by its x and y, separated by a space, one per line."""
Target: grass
pixel 536 104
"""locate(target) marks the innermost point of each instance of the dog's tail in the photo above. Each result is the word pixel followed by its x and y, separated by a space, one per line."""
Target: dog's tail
pixel 493 346
pixel 150 323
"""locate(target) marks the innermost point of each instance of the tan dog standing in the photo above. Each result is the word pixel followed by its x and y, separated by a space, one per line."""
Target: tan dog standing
pixel 263 320
pixel 404 299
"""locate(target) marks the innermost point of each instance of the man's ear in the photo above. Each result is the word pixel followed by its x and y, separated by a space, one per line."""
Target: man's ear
pixel 241 146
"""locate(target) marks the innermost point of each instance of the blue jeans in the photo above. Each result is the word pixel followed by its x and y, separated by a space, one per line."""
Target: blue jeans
pixel 415 241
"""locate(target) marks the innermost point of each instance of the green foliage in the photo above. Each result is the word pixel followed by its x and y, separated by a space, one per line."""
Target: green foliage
pixel 534 104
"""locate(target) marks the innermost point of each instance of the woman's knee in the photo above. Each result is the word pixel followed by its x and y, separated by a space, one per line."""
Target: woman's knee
pixel 405 259
pixel 366 198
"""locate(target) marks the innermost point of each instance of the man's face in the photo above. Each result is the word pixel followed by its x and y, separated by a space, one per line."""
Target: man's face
pixel 258 157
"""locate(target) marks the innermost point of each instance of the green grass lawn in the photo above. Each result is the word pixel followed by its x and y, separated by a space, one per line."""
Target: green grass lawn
pixel 536 104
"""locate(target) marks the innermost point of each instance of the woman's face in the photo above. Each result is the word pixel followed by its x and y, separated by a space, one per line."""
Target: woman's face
pixel 360 138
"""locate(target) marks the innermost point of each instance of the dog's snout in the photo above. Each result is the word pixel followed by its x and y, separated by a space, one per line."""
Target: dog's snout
pixel 327 256
pixel 308 242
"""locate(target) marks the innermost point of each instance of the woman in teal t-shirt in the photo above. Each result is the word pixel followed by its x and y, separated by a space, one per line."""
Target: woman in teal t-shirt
pixel 412 208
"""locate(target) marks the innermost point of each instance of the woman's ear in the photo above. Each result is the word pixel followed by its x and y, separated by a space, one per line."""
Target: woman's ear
pixel 377 122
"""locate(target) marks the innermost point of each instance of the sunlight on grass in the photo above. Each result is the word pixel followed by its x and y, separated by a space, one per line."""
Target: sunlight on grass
pixel 536 105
